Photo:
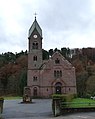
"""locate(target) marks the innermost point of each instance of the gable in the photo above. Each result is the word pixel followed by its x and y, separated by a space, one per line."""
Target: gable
pixel 57 61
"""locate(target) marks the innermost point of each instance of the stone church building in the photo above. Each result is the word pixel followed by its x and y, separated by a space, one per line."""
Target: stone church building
pixel 47 77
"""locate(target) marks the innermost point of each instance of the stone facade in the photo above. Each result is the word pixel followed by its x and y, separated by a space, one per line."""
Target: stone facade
pixel 48 77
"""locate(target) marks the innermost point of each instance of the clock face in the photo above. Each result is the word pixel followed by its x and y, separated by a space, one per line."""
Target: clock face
pixel 35 36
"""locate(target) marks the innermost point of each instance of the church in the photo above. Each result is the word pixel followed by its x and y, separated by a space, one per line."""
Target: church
pixel 47 77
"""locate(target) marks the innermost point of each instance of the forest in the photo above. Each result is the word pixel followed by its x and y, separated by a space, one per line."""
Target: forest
pixel 13 70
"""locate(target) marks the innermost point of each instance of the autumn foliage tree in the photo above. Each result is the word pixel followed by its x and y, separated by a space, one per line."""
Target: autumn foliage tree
pixel 13 69
pixel 6 71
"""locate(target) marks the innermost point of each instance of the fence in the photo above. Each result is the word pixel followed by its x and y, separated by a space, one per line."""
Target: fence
pixel 77 104
pixel 71 107
pixel 60 107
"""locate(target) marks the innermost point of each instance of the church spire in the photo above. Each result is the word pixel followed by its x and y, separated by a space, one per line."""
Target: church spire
pixel 36 26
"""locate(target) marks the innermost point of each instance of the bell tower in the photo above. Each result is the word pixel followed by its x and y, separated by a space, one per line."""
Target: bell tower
pixel 35 46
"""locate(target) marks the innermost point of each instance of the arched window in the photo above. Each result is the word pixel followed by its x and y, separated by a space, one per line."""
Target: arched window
pixel 35 45
pixel 57 61
pixel 60 73
pixel 57 73
pixel 54 73
pixel 35 78
pixel 35 58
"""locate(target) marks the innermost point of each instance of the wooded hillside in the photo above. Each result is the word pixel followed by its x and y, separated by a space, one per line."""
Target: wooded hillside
pixel 13 70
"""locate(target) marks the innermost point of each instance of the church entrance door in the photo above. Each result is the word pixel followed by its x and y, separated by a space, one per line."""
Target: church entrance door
pixel 35 92
pixel 58 88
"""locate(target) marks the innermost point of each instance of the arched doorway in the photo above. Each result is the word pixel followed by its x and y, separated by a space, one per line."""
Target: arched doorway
pixel 58 87
pixel 35 91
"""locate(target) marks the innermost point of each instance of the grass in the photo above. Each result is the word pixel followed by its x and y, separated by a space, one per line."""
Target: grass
pixel 82 100
pixel 12 97
pixel 80 103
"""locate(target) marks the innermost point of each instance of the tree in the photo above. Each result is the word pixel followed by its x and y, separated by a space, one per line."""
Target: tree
pixel 5 72
pixel 22 81
pixel 22 61
pixel 91 70
pixel 51 52
pixel 9 57
pixel 90 85
pixel 81 84
pixel 78 66
pixel 45 55
pixel 64 52
pixel 2 61
pixel 68 52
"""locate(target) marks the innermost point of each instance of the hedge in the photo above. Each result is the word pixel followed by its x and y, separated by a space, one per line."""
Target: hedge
pixel 60 99
pixel 64 97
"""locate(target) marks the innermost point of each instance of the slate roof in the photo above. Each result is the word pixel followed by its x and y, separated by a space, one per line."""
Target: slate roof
pixel 36 26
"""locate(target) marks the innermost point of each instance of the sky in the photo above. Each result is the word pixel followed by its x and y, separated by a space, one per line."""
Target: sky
pixel 64 23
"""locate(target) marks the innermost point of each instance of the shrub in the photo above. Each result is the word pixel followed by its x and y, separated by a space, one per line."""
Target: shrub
pixel 1 99
pixel 61 100
pixel 64 97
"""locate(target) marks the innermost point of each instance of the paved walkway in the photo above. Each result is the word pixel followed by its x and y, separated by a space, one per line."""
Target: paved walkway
pixel 39 109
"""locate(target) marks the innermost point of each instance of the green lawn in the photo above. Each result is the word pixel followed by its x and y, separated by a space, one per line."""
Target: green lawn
pixel 11 97
pixel 82 102
pixel 79 103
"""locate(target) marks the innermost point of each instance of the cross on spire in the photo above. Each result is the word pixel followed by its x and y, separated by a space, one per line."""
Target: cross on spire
pixel 35 15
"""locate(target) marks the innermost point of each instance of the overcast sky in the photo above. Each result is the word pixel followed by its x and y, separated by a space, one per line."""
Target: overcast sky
pixel 65 23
